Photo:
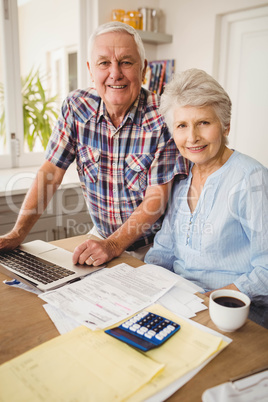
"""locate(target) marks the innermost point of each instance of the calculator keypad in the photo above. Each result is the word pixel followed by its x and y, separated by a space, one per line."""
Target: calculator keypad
pixel 150 326
pixel 145 330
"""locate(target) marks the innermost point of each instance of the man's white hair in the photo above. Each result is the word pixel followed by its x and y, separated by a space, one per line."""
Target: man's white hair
pixel 116 26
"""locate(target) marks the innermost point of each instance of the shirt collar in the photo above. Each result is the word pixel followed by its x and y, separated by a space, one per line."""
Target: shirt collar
pixel 102 112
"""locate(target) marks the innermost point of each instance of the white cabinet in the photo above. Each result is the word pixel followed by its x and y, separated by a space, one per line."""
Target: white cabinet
pixel 65 216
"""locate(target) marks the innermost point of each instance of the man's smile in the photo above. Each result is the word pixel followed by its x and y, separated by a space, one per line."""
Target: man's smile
pixel 117 86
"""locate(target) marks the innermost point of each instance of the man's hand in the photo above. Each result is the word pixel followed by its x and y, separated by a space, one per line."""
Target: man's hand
pixel 47 181
pixel 9 241
pixel 95 252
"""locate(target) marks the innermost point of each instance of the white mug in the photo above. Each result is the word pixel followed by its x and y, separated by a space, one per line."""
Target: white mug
pixel 224 310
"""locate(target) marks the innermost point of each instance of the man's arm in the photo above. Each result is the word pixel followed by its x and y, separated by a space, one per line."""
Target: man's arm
pixel 47 181
pixel 152 207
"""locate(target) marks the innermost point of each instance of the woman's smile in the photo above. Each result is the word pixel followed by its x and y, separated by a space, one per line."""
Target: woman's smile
pixel 196 149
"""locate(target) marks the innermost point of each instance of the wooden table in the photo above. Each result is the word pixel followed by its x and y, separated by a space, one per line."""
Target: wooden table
pixel 24 324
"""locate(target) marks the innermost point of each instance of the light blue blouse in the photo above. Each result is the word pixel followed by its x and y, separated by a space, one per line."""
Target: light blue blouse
pixel 225 240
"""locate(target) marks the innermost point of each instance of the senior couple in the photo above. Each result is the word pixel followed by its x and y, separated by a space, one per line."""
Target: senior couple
pixel 215 226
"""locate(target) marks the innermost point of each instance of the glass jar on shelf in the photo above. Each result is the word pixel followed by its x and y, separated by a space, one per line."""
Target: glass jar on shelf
pixel 130 19
pixel 118 15
pixel 150 18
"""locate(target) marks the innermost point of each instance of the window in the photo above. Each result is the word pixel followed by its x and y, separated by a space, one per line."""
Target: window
pixel 3 145
pixel 39 46
pixel 63 67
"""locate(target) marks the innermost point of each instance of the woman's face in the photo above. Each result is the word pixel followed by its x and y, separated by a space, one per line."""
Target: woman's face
pixel 198 134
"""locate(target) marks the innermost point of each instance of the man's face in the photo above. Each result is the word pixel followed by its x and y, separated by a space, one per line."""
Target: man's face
pixel 116 70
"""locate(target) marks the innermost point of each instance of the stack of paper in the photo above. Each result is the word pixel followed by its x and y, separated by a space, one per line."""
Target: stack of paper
pixel 111 295
pixel 88 365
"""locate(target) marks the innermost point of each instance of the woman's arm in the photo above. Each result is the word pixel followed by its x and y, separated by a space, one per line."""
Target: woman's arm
pixel 253 216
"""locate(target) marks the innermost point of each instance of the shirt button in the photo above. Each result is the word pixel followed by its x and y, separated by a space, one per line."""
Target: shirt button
pixel 138 168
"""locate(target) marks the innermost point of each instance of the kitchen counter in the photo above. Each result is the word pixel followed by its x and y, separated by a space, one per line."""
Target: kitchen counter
pixel 18 180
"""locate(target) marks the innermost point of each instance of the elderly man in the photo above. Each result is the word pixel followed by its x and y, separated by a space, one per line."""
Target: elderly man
pixel 126 159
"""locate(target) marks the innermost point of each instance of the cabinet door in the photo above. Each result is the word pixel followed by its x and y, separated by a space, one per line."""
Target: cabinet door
pixel 9 209
pixel 42 230
pixel 72 217
pixel 76 225
pixel 243 66
pixel 65 216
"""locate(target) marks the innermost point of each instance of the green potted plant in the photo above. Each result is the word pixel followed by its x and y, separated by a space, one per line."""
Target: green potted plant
pixel 39 111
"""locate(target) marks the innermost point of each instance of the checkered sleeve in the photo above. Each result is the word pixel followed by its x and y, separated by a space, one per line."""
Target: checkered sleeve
pixel 61 147
pixel 168 162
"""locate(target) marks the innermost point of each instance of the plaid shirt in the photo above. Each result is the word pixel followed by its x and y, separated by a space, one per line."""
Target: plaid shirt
pixel 115 164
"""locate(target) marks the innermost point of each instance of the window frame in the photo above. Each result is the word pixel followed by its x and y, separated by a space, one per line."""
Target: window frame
pixel 10 64
pixel 12 80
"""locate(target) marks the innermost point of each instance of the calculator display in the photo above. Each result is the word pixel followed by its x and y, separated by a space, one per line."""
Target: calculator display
pixel 120 333
pixel 145 330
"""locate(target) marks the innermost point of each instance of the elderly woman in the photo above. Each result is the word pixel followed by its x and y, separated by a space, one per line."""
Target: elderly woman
pixel 215 232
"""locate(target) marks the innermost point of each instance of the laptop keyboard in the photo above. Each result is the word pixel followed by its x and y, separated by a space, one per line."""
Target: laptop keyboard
pixel 34 267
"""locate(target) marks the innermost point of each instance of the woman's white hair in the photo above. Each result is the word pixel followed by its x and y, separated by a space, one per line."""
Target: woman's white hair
pixel 116 26
pixel 195 87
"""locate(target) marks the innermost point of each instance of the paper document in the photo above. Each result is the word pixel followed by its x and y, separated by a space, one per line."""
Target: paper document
pixel 249 389
pixel 181 300
pixel 183 355
pixel 112 294
pixel 62 322
pixel 82 365
pixel 85 365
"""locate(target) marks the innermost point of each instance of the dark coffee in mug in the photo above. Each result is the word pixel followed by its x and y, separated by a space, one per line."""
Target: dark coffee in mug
pixel 228 301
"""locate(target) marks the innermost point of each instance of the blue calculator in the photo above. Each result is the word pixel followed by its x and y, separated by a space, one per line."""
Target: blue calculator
pixel 145 330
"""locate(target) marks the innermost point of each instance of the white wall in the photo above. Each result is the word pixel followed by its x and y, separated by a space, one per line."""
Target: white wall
pixel 193 24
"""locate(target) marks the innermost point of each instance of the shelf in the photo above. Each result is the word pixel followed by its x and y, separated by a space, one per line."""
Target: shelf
pixel 156 38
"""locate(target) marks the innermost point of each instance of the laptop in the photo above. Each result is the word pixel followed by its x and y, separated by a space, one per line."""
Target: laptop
pixel 43 265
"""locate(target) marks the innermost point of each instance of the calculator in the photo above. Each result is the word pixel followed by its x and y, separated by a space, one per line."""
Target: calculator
pixel 145 330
